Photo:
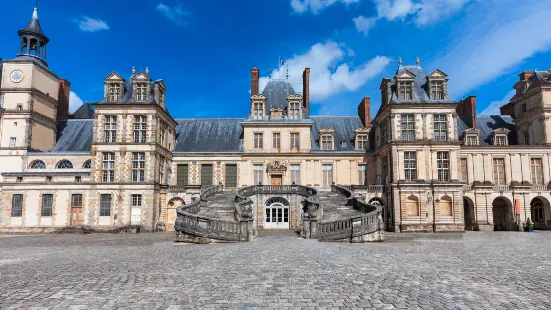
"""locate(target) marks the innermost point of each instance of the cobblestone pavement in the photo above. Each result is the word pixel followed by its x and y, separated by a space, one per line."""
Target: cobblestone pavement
pixel 148 271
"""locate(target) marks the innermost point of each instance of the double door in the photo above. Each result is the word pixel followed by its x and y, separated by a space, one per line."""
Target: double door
pixel 276 217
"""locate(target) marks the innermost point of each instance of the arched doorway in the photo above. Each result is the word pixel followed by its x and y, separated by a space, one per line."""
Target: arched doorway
pixel 276 214
pixel 171 212
pixel 540 213
pixel 387 222
pixel 503 214
pixel 468 214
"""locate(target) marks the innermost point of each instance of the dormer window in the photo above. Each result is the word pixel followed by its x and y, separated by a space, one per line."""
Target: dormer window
pixel 294 110
pixel 326 139
pixel 501 140
pixel 362 138
pixel 405 90
pixel 258 110
pixel 471 140
pixel 115 92
pixel 161 97
pixel 437 90
pixel 141 92
pixel 471 136
pixel 500 136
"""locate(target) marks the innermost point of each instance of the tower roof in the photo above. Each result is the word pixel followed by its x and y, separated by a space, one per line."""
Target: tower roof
pixel 33 27
pixel 276 93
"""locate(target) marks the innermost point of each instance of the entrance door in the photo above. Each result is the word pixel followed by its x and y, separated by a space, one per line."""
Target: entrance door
pixel 136 215
pixel 277 217
pixel 277 179
pixel 76 216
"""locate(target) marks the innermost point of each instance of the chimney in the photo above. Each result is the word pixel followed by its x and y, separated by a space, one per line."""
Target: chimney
pixel 525 75
pixel 63 95
pixel 254 81
pixel 364 112
pixel 466 109
pixel 306 89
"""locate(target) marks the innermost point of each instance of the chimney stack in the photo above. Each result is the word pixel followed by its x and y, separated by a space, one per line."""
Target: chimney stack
pixel 63 95
pixel 306 90
pixel 254 81
pixel 466 109
pixel 364 112
pixel 525 75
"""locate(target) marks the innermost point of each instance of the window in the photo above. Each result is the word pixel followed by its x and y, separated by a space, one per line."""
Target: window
pixel 523 108
pixel 19 180
pixel 410 166
pixel 38 164
pixel 136 200
pixel 362 142
pixel 47 202
pixel 326 142
pixel 258 174
pixel 206 174
pixel 161 97
pixel 162 161
pixel 343 144
pixel 258 140
pixel 384 133
pixel 295 174
pixel 258 110
pixel 138 167
pixel 295 140
pixel 162 133
pixel 471 140
pixel 141 92
pixel 87 164
pixel 78 179
pixel 500 140
pixel 412 206
pixel 499 171
pixel 110 129
pixel 443 166
pixel 385 169
pixel 437 90
pixel 182 176
pixel 362 174
pixel 408 128
pixel 105 205
pixel 13 141
pixel 538 214
pixel 64 164
pixel 76 200
pixel 17 205
pixel 526 138
pixel 140 128
pixel 440 128
pixel 405 90
pixel 327 170
pixel 276 140
pixel 19 107
pixel 294 112
pixel 463 170
pixel 48 179
pixel 108 172
pixel 536 170
pixel 115 92
pixel 231 175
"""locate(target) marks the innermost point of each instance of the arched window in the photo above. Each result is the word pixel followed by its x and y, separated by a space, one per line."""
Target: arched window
pixel 64 164
pixel 446 206
pixel 412 206
pixel 38 164
pixel 87 164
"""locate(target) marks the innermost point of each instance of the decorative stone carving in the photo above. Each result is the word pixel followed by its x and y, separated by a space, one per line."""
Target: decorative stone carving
pixel 328 131
pixel 276 113
pixel 276 166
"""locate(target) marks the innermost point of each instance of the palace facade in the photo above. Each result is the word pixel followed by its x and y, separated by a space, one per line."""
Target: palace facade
pixel 432 162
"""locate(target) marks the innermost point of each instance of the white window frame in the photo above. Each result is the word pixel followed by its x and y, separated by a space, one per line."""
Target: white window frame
pixel 140 128
pixel 108 167
pixel 110 127
pixel 138 167
pixel 408 127
pixel 443 166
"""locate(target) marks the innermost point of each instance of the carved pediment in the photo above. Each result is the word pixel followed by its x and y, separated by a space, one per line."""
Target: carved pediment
pixel 276 113
pixel 362 130
pixel 501 131
pixel 471 131
pixel 114 77
pixel 294 97
pixel 141 76
pixel 437 74
pixel 327 131
pixel 406 74
pixel 276 166
pixel 258 97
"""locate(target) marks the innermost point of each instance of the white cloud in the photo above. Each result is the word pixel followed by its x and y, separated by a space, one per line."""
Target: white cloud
pixel 493 107
pixel 177 13
pixel 89 24
pixel 74 102
pixel 363 24
pixel 432 11
pixel 395 9
pixel 315 6
pixel 329 74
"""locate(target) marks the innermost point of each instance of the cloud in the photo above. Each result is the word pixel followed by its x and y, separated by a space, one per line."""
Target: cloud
pixel 74 102
pixel 363 24
pixel 315 6
pixel 89 24
pixel 329 74
pixel 177 13
pixel 493 107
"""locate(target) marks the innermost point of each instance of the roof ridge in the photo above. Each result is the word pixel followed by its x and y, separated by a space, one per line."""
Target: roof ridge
pixel 209 118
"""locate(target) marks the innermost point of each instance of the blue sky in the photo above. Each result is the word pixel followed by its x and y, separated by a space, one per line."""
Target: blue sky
pixel 204 49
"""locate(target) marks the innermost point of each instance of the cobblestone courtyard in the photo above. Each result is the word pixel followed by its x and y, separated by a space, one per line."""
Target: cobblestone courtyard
pixel 149 271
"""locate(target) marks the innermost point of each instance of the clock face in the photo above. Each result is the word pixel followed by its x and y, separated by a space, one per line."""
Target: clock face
pixel 17 76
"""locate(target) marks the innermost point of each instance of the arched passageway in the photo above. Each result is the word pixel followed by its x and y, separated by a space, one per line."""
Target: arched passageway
pixel 468 214
pixel 503 214
pixel 540 213
pixel 171 212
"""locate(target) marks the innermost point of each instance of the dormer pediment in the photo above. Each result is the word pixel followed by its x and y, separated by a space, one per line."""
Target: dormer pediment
pixel 114 76
pixel 437 74
pixel 141 77
pixel 503 131
pixel 161 84
pixel 258 97
pixel 327 131
pixel 406 74
pixel 362 130
pixel 472 131
pixel 294 97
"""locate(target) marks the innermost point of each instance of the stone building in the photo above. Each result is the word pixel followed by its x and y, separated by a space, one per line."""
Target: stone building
pixel 432 162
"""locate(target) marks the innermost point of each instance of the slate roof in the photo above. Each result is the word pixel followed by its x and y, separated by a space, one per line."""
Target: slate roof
pixel 74 135
pixel 85 111
pixel 276 93
pixel 487 124
pixel 34 26
pixel 420 87
pixel 344 127
pixel 538 78
pixel 209 135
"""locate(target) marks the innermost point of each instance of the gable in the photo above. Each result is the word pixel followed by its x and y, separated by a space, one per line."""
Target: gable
pixel 406 74
pixel 141 76
pixel 437 74
pixel 114 76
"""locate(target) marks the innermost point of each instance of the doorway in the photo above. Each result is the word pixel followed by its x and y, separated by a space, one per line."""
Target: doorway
pixel 277 179
pixel 502 214
pixel 276 214
pixel 76 216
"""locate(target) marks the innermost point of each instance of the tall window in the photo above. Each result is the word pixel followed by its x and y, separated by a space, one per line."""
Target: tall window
pixel 141 92
pixel 443 166
pixel 108 171
pixel 17 205
pixel 499 171
pixel 408 128
pixel 440 127
pixel 362 174
pixel 410 166
pixel 405 90
pixel 138 167
pixel 276 140
pixel 526 138
pixel 105 205
pixel 258 174
pixel 258 140
pixel 110 129
pixel 384 132
pixel 295 109
pixel 47 202
pixel 258 110
pixel 115 92
pixel 295 140
pixel 500 140
pixel 463 169
pixel 385 169
pixel 136 200
pixel 536 170
pixel 76 200
pixel 295 174
pixel 162 161
pixel 437 91
pixel 362 142
pixel 326 142
pixel 140 128
pixel 13 141
pixel 162 133
pixel 327 170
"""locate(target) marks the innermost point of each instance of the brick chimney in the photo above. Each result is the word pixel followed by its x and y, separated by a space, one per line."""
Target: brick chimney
pixel 306 89
pixel 525 75
pixel 63 95
pixel 364 112
pixel 254 81
pixel 466 109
